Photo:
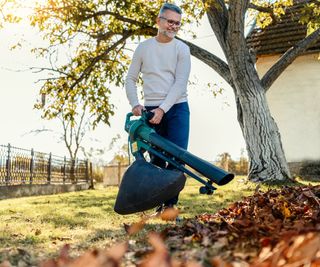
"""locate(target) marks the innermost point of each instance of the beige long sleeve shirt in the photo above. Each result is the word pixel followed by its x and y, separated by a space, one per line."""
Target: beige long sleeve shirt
pixel 165 69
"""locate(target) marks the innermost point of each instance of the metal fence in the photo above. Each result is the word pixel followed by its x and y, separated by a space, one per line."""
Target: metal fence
pixel 21 166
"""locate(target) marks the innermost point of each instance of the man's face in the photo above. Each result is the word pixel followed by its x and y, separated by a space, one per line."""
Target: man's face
pixel 169 23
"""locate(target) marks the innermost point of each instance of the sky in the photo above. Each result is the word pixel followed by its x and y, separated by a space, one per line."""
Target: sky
pixel 213 123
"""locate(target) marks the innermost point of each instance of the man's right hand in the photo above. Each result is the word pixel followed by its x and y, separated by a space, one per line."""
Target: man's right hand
pixel 137 110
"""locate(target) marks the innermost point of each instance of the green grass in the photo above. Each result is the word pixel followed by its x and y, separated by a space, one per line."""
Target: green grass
pixel 39 226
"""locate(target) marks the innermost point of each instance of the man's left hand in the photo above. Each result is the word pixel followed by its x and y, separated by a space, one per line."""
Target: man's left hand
pixel 158 114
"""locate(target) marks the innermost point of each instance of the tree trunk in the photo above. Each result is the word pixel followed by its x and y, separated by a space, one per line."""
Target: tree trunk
pixel 72 171
pixel 267 160
pixel 266 156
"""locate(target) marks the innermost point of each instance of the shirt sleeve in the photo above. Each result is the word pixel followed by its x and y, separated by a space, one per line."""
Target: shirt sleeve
pixel 132 78
pixel 181 79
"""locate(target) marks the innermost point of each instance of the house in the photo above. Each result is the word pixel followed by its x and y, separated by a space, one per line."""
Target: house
pixel 294 99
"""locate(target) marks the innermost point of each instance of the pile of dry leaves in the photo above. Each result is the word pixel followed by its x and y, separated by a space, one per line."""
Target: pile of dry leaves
pixel 275 228
pixel 271 227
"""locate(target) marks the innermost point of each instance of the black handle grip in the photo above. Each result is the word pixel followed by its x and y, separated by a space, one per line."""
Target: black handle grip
pixel 147 115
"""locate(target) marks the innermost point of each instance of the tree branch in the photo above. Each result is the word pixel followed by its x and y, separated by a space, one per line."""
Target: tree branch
pixel 117 16
pixel 217 14
pixel 64 136
pixel 287 58
pixel 146 31
pixel 78 133
pixel 71 135
pixel 77 137
pixel 263 9
pixel 236 15
pixel 211 60
pixel 38 70
pixel 88 69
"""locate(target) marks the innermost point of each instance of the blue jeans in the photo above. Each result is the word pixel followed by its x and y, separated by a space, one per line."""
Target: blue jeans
pixel 174 126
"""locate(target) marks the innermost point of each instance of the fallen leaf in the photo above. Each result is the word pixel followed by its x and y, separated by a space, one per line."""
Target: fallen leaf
pixel 169 214
pixel 117 251
pixel 159 257
pixel 37 232
pixel 219 262
pixel 134 228
pixel 5 264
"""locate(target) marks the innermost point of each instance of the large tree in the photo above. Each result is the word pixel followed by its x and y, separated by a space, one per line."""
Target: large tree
pixel 99 32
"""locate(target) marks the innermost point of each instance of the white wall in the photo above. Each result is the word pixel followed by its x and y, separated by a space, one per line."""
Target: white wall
pixel 294 101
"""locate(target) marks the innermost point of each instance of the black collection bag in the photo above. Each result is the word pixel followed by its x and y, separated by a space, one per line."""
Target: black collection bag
pixel 145 186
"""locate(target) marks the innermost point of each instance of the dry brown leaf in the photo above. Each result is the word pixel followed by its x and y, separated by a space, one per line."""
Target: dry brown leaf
pixel 89 258
pixel 304 248
pixel 176 263
pixel 191 264
pixel 5 264
pixel 64 253
pixel 49 263
pixel 135 227
pixel 94 258
pixel 157 242
pixel 315 263
pixel 117 251
pixel 169 214
pixel 37 232
pixel 300 250
pixel 159 257
pixel 219 262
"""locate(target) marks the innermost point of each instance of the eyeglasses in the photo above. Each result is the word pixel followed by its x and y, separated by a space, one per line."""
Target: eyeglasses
pixel 172 22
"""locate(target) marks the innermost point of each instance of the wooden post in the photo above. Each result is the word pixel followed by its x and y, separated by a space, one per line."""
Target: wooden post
pixel 91 177
pixel 72 172
pixel 87 171
pixel 8 165
pixel 64 169
pixel 49 169
pixel 32 166
pixel 75 170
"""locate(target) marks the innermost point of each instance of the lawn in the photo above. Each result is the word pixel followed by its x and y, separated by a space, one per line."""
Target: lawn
pixel 35 228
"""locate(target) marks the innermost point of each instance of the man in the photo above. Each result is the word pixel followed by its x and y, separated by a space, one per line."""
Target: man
pixel 165 66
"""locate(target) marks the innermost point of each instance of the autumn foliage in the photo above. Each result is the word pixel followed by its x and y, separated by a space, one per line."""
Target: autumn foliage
pixel 271 227
pixel 274 228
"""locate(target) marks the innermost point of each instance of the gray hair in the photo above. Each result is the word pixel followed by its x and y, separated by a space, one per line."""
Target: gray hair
pixel 172 7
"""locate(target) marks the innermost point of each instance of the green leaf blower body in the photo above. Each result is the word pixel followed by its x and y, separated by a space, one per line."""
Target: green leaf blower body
pixel 145 186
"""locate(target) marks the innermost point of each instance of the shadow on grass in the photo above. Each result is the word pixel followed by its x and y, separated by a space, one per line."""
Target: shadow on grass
pixel 10 238
pixel 81 200
pixel 280 184
pixel 60 220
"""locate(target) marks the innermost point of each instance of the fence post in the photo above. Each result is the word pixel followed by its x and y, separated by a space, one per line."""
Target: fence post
pixel 75 169
pixel 72 171
pixel 87 171
pixel 8 165
pixel 64 169
pixel 31 166
pixel 119 172
pixel 49 168
pixel 91 176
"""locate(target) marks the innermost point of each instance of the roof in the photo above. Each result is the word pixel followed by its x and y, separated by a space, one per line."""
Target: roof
pixel 278 37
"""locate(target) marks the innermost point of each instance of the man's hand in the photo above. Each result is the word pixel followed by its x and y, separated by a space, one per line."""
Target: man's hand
pixel 158 114
pixel 137 110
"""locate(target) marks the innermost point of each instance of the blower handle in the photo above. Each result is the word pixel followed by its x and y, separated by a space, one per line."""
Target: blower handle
pixel 147 115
